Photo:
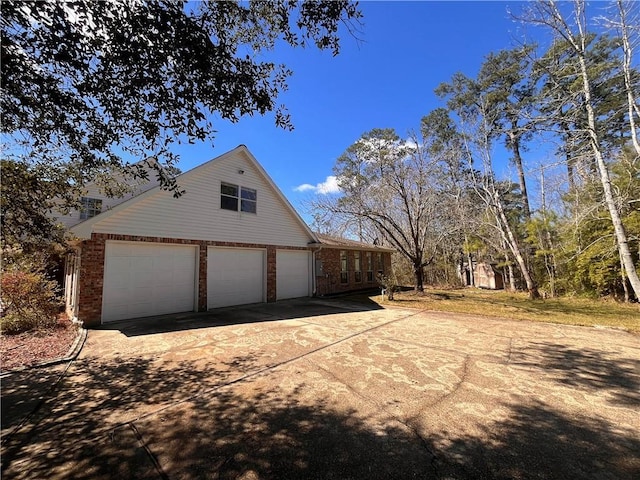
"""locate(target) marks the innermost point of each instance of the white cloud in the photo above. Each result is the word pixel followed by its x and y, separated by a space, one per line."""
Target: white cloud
pixel 330 185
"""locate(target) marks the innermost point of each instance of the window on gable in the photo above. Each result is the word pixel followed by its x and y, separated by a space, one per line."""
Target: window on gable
pixel 229 197
pixel 249 200
pixel 344 267
pixel 234 197
pixel 357 267
pixel 89 207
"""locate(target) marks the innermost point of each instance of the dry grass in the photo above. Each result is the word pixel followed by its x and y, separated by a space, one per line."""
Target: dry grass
pixel 569 311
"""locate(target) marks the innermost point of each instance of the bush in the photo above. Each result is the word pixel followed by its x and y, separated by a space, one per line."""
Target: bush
pixel 29 298
pixel 389 284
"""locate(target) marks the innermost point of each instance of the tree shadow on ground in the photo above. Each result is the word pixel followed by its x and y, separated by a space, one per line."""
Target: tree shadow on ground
pixel 537 441
pixel 139 419
pixel 255 313
pixel 586 369
pixel 23 390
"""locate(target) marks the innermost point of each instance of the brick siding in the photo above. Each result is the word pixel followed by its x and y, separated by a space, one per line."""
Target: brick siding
pixel 328 281
pixel 92 256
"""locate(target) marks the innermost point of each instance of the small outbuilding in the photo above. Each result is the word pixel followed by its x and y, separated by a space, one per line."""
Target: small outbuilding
pixel 485 275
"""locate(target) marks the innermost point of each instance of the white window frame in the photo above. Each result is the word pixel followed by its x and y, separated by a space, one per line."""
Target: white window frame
pixel 90 207
pixel 244 198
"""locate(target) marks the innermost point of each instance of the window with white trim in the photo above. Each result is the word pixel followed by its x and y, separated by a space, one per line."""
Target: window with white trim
pixel 237 198
pixel 89 207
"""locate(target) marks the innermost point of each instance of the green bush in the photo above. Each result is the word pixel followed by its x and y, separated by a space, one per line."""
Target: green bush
pixel 30 300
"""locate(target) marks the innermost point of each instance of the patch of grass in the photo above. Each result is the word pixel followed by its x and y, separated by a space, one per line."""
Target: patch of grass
pixel 518 306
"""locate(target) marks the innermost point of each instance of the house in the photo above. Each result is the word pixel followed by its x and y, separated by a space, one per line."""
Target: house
pixel 95 200
pixel 231 239
pixel 343 265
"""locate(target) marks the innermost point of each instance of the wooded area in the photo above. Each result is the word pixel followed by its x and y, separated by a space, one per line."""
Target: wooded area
pixel 567 115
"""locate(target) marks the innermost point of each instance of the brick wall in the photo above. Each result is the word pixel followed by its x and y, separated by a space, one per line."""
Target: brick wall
pixel 92 255
pixel 329 281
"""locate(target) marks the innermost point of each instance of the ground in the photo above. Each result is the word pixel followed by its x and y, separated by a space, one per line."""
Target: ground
pixel 31 348
pixel 318 389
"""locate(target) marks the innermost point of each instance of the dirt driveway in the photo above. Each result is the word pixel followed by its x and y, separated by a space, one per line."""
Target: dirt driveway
pixel 330 390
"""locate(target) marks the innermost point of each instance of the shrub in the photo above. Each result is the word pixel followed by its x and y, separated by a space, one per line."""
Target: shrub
pixel 389 284
pixel 29 298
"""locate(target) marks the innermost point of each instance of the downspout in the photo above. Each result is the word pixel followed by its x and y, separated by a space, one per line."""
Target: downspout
pixel 314 281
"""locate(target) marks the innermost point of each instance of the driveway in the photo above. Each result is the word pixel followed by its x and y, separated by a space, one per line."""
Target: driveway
pixel 330 390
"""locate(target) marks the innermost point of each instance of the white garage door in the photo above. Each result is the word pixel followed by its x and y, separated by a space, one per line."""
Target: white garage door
pixel 144 279
pixel 235 276
pixel 292 274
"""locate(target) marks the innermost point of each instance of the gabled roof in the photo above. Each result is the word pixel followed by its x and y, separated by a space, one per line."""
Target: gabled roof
pixel 84 229
pixel 345 243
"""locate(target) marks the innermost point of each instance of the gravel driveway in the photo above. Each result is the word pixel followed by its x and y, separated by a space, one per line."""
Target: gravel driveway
pixel 330 390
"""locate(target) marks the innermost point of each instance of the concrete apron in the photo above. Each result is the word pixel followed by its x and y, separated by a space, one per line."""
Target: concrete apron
pixel 334 390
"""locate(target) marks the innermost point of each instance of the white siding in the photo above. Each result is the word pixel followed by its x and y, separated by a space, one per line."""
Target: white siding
pixel 197 214
pixel 92 191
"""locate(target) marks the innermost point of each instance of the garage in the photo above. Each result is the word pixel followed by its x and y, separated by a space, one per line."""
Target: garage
pixel 143 279
pixel 235 276
pixel 292 278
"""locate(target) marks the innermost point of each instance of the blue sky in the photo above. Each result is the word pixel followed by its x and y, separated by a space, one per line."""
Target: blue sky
pixel 386 80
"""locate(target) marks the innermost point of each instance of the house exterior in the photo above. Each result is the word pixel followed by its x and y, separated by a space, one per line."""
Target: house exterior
pixel 95 200
pixel 343 265
pixel 231 239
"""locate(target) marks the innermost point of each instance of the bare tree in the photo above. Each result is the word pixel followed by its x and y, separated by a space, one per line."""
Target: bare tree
pixel 388 183
pixel 477 117
pixel 547 14
pixel 628 29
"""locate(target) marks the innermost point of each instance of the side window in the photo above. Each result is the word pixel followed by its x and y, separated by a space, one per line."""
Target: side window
pixel 369 267
pixel 90 207
pixel 229 197
pixel 357 267
pixel 344 267
pixel 380 264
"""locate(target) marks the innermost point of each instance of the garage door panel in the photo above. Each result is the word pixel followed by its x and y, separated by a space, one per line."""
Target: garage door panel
pixel 292 274
pixel 144 279
pixel 234 276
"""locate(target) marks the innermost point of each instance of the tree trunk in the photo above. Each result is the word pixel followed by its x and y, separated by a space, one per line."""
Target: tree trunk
pixel 624 282
pixel 517 160
pixel 532 288
pixel 418 274
pixel 512 278
pixel 626 68
pixel 472 279
pixel 618 227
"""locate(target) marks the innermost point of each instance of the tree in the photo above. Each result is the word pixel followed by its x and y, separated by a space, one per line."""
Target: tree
pixel 389 184
pixel 627 26
pixel 87 86
pixel 590 250
pixel 504 79
pixel 478 115
pixel 548 14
